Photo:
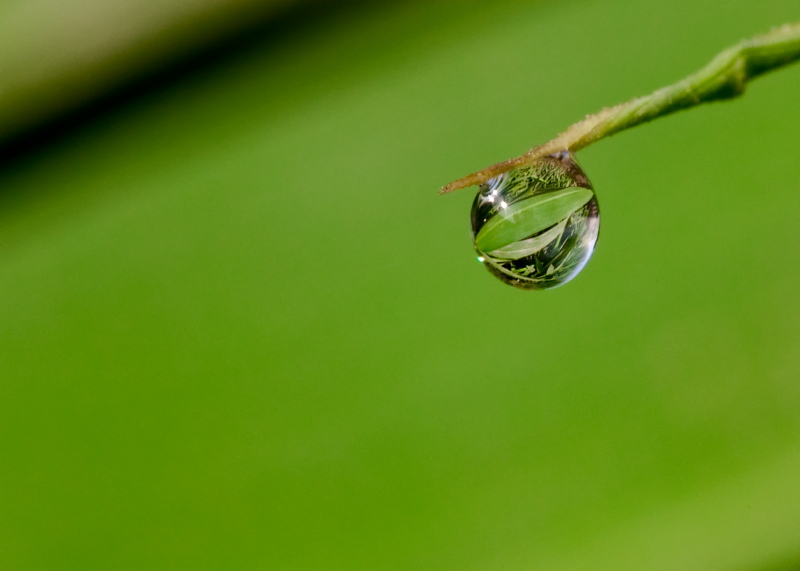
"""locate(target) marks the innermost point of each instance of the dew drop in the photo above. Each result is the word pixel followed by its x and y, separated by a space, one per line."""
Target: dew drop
pixel 535 227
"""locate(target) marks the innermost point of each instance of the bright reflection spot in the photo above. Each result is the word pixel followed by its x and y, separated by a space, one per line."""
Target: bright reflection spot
pixel 503 204
pixel 480 259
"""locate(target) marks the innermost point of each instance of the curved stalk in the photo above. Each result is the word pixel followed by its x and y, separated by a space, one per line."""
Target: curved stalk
pixel 724 77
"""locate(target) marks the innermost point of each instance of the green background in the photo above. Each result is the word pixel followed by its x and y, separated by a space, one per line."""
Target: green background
pixel 239 329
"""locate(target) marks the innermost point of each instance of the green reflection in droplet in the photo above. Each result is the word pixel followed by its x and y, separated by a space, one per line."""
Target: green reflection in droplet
pixel 536 227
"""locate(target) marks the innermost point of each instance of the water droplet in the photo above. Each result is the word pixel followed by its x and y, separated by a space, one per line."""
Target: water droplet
pixel 542 229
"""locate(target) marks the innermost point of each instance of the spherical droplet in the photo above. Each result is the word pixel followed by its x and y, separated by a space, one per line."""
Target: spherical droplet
pixel 535 227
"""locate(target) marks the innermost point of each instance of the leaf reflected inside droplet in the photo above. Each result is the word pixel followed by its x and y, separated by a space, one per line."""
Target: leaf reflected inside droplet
pixel 535 227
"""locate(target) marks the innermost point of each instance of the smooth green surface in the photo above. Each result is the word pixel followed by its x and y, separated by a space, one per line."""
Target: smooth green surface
pixel 530 216
pixel 240 329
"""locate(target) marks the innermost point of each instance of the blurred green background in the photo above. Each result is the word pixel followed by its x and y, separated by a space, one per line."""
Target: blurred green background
pixel 239 329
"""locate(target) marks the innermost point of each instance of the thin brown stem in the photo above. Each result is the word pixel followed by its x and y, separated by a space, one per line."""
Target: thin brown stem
pixel 723 78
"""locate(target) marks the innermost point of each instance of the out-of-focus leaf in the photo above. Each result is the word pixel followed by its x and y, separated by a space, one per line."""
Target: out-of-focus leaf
pixel 239 329
pixel 58 54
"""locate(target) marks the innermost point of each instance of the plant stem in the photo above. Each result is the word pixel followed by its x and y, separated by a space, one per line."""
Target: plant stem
pixel 724 77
